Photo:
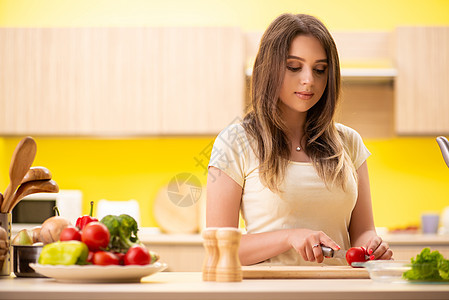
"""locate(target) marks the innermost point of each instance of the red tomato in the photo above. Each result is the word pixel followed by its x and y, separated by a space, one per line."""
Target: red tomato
pixel 355 254
pixel 104 258
pixel 90 257
pixel 121 258
pixel 70 233
pixel 137 255
pixel 95 235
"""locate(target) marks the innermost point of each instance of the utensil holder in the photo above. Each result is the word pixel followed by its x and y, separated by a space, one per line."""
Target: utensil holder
pixel 5 265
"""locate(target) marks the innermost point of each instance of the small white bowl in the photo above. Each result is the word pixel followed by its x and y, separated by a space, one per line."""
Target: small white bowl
pixel 385 270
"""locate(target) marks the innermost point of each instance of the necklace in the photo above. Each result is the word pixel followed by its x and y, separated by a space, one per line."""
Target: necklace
pixel 298 148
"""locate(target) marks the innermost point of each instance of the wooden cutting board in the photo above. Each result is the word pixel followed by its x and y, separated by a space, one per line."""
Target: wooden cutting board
pixel 304 272
pixel 177 219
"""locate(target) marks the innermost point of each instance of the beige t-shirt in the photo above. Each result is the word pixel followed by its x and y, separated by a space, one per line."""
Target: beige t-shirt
pixel 305 201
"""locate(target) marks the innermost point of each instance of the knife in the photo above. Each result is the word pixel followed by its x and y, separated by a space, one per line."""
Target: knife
pixel 331 253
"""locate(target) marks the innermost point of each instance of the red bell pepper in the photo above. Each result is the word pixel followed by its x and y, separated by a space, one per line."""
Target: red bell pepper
pixel 84 220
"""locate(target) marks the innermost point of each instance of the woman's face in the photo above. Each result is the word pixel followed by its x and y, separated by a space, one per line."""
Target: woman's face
pixel 306 75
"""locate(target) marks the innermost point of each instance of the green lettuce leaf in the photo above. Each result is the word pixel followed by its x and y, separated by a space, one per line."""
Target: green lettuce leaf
pixel 428 266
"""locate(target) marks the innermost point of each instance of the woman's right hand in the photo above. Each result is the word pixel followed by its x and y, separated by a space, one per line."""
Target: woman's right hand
pixel 307 243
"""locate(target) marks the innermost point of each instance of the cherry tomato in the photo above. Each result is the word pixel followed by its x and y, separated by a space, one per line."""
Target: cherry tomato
pixel 90 257
pixel 137 255
pixel 121 258
pixel 96 236
pixel 105 258
pixel 70 233
pixel 355 254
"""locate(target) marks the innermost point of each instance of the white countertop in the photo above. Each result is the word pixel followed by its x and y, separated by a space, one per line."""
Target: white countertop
pixel 189 285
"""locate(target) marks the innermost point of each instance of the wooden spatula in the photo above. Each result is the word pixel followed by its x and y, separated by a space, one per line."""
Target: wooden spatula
pixel 21 161
pixel 32 187
pixel 36 173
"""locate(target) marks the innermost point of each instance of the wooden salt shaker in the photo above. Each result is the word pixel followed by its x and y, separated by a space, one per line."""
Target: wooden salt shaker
pixel 211 259
pixel 228 266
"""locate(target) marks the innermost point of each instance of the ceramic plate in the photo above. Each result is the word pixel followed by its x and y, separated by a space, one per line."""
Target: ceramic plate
pixel 95 274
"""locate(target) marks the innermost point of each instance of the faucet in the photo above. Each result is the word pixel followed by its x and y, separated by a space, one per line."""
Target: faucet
pixel 444 146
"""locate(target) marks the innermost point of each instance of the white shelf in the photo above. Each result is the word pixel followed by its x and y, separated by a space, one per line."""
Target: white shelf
pixel 369 72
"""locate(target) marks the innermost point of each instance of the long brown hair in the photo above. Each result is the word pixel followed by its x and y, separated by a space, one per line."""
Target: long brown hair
pixel 264 122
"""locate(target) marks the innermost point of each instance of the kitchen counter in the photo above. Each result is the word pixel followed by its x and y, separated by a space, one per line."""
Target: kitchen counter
pixel 390 238
pixel 174 248
pixel 189 285
pixel 152 236
pixel 407 239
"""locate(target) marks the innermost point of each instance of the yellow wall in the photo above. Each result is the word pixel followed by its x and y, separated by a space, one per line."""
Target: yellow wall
pixel 408 175
pixel 120 169
pixel 248 14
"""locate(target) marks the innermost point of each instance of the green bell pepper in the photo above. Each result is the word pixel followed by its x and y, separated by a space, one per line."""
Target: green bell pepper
pixel 64 253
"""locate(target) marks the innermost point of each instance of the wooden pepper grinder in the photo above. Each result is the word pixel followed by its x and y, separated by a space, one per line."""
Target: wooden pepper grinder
pixel 228 266
pixel 211 259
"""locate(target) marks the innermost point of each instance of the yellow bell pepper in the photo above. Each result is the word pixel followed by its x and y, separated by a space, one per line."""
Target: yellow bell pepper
pixel 64 253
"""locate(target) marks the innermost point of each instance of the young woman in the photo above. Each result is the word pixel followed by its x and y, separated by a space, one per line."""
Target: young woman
pixel 299 179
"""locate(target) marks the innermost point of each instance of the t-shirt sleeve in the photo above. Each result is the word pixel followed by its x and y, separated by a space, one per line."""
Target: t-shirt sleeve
pixel 357 149
pixel 229 152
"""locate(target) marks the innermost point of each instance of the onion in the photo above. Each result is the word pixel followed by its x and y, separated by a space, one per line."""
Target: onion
pixel 23 237
pixel 51 229
pixel 36 231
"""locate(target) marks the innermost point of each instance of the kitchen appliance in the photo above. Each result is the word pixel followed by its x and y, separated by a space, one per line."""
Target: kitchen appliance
pixel 129 207
pixel 34 209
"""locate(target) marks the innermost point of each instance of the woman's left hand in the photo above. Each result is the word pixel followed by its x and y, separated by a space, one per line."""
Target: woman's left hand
pixel 378 249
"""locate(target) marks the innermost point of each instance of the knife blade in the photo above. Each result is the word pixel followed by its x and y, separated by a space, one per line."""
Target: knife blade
pixel 331 253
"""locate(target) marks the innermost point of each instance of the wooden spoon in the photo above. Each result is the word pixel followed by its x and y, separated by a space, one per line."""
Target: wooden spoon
pixel 33 187
pixel 36 173
pixel 21 161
